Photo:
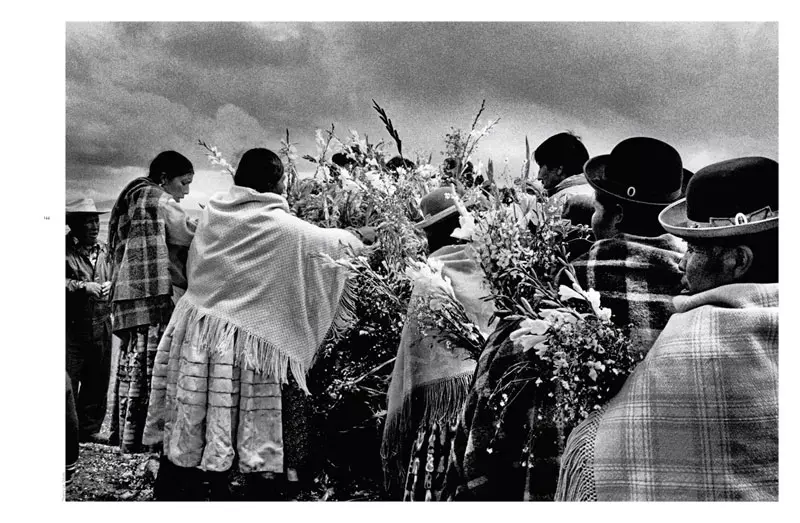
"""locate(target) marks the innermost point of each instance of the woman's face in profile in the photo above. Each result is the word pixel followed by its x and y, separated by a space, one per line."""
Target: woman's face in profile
pixel 178 187
pixel 280 187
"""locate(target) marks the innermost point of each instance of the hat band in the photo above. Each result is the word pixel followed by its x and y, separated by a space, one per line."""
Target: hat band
pixel 430 219
pixel 740 219
pixel 638 194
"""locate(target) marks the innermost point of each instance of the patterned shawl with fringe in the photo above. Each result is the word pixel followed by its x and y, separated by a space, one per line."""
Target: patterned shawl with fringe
pixel 430 381
pixel 698 418
pixel 256 287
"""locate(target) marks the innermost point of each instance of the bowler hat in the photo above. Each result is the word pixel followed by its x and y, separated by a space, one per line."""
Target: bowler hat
pixel 729 198
pixel 83 206
pixel 436 206
pixel 640 170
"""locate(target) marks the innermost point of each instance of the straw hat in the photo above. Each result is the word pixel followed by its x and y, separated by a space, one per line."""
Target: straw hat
pixel 730 198
pixel 83 206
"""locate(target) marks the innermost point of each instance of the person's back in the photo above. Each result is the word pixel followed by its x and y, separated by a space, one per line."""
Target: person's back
pixel 560 159
pixel 431 376
pixel 712 375
pixel 235 347
pixel 634 264
pixel 637 277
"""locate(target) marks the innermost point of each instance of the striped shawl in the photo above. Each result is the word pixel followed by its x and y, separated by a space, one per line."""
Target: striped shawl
pixel 430 381
pixel 141 281
pixel 255 287
pixel 637 278
pixel 698 418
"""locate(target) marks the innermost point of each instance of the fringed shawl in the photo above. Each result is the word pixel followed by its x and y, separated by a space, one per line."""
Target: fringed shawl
pixel 698 418
pixel 430 381
pixel 256 287
pixel 141 281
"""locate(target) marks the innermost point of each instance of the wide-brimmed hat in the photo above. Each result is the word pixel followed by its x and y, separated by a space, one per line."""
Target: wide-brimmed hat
pixel 640 170
pixel 83 206
pixel 436 206
pixel 730 198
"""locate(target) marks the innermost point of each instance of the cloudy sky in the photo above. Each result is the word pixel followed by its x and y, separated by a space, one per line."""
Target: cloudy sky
pixel 135 89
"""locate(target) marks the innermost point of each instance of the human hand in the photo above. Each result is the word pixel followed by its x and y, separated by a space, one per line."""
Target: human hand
pixel 368 235
pixel 95 290
pixel 106 289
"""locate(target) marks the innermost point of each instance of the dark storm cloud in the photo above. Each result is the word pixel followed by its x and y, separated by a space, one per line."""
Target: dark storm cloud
pixel 646 72
pixel 235 45
pixel 135 89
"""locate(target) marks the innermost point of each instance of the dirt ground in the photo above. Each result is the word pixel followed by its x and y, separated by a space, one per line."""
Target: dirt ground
pixel 106 474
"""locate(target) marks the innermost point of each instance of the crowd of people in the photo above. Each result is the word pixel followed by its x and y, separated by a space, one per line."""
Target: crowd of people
pixel 220 320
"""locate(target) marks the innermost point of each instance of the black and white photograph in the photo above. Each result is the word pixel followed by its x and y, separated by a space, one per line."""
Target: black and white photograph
pixel 445 258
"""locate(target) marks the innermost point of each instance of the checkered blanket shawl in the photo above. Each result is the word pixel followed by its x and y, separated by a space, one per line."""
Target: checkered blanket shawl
pixel 141 282
pixel 698 418
pixel 637 277
pixel 256 288
pixel 486 461
pixel 430 381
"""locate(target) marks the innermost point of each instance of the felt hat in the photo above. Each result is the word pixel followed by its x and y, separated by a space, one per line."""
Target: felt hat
pixel 82 206
pixel 640 170
pixel 436 206
pixel 730 198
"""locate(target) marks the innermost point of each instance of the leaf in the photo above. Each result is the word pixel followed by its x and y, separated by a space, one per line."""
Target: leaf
pixel 389 127
pixel 565 294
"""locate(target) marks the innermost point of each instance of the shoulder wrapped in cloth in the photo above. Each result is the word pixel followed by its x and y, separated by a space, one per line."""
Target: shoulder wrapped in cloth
pixel 430 380
pixel 142 284
pixel 256 288
pixel 638 277
pixel 515 460
pixel 698 418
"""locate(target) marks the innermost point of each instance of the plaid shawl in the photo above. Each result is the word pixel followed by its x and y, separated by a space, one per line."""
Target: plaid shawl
pixel 494 463
pixel 255 287
pixel 430 381
pixel 141 282
pixel 637 278
pixel 698 418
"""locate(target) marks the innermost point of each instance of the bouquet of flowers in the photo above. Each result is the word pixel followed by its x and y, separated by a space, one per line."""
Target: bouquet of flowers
pixel 572 352
pixel 557 355
pixel 440 314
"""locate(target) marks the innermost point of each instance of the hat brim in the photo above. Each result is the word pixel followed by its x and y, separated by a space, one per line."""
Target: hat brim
pixel 595 169
pixel 673 219
pixel 87 212
pixel 435 218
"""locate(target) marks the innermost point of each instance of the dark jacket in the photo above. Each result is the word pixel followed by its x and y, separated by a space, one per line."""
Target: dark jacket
pixel 83 311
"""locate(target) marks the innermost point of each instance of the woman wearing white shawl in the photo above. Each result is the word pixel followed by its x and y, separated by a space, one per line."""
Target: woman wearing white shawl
pixel 258 305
